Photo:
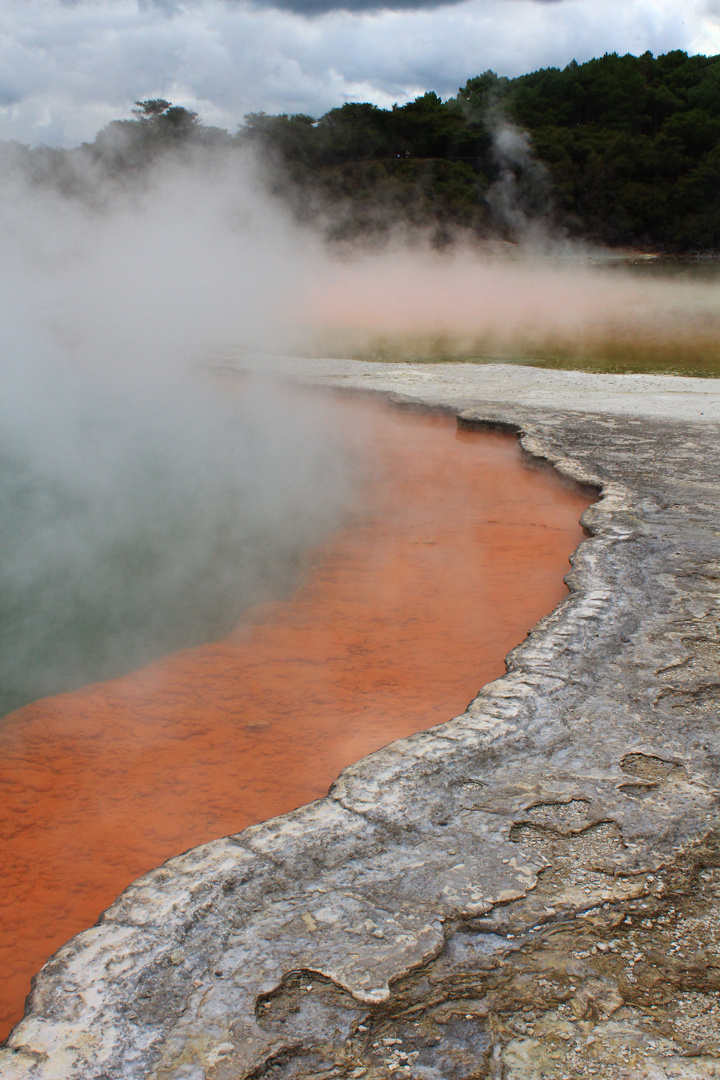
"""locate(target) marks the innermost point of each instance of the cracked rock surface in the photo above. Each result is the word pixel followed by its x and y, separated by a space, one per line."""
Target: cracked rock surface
pixel 531 890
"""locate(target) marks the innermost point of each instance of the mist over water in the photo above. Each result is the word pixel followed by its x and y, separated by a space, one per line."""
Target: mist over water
pixel 144 506
pixel 133 525
pixel 457 305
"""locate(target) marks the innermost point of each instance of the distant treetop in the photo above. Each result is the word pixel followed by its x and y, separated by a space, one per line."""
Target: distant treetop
pixel 151 109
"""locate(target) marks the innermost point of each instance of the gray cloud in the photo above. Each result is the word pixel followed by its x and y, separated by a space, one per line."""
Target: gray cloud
pixel 9 96
pixel 71 66
pixel 311 8
pixel 321 7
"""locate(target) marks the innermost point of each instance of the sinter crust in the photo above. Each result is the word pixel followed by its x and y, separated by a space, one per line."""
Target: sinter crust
pixel 529 890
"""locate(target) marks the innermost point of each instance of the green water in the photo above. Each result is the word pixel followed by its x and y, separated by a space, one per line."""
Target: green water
pixel 133 525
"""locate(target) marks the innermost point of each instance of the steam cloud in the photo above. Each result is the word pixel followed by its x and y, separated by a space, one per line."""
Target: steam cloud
pixel 141 509
pixel 144 504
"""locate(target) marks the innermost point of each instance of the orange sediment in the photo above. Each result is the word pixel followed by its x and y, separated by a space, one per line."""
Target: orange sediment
pixel 399 620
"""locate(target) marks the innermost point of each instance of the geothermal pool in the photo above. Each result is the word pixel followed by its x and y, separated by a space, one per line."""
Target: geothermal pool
pixel 400 617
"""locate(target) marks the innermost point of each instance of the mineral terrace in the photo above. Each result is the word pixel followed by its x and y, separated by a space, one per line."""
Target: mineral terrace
pixel 529 890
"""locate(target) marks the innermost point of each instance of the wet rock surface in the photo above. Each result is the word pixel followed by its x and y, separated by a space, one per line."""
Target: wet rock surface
pixel 529 890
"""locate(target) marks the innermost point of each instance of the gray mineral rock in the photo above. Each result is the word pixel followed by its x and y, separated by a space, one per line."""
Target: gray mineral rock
pixel 530 890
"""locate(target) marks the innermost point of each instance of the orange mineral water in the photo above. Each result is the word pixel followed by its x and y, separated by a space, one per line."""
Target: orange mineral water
pixel 399 618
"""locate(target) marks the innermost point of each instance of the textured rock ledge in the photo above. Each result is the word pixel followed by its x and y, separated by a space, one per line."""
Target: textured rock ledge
pixel 529 890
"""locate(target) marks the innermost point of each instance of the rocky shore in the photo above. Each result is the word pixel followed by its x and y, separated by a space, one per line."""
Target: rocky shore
pixel 528 890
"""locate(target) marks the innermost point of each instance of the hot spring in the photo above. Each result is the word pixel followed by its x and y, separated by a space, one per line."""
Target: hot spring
pixel 227 637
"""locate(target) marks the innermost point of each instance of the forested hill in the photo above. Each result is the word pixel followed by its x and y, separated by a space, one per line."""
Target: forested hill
pixel 632 145
pixel 622 149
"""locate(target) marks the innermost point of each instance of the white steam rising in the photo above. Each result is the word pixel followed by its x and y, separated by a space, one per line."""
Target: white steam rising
pixel 141 508
pixel 461 304
pixel 144 503
pixel 150 268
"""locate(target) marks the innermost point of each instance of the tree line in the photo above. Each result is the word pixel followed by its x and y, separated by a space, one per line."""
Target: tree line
pixel 622 150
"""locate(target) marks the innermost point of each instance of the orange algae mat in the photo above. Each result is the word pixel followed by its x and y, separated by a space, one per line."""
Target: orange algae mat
pixel 399 619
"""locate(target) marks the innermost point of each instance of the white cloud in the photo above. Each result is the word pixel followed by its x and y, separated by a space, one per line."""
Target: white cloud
pixel 67 69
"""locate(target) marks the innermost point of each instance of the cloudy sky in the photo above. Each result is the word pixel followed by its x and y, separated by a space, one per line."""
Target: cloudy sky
pixel 67 67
